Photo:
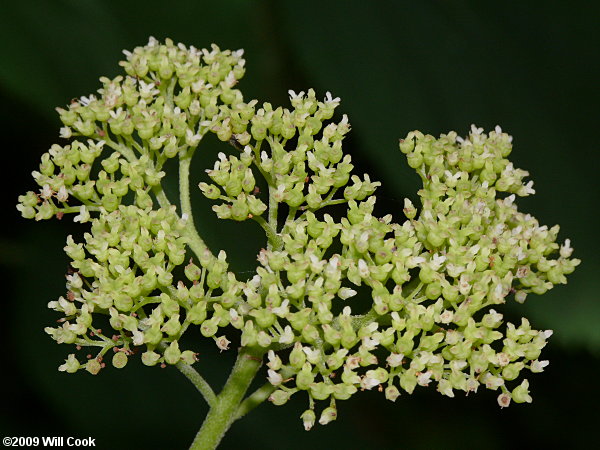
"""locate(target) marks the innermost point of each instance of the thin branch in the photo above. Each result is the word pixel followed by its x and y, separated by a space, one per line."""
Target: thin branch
pixel 197 380
pixel 195 242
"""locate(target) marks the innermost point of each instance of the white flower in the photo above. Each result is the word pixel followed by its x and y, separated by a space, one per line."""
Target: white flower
pixel 329 100
pixel 457 365
pixel 230 80
pixel 472 385
pixel 148 89
pixel 538 366
pixel 437 261
pixel 312 354
pixel 446 316
pixel 520 296
pixel 86 100
pixel 503 359
pixel 223 343
pixel 352 362
pixel 424 378
pixel 476 131
pixel 565 249
pixel 369 383
pixel 274 360
pixel 138 337
pixel 316 265
pixel 492 382
pixel 192 139
pixel 62 195
pixel 152 42
pixel 445 388
pixel 527 189
pixel 370 343
pixel 288 335
pixel 363 269
pixel 414 261
pixel 395 359
pixel 281 311
pixel 83 215
pixel 463 285
pixel 46 192
pixel 65 132
pixel 308 419
pixel 74 281
pixel 274 378
pixel 504 400
pixel 345 293
pixel 294 96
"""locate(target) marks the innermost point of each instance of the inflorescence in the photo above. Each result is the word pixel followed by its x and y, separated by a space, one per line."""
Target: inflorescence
pixel 433 283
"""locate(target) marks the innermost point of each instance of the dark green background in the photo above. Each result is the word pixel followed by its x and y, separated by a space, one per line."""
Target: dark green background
pixel 531 67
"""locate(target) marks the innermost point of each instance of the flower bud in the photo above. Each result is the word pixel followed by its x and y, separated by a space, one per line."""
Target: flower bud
pixel 71 365
pixel 305 377
pixel 172 353
pixel 308 419
pixel 150 358
pixel 279 397
pixel 93 366
pixel 520 394
pixel 119 360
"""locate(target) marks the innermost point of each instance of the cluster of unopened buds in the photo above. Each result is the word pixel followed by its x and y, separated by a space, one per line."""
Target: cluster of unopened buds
pixel 342 300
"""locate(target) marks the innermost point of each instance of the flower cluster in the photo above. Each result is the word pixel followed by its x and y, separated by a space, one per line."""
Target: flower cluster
pixel 161 109
pixel 342 300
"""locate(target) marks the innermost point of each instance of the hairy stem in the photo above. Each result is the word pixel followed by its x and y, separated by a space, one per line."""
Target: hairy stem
pixel 194 240
pixel 198 381
pixel 224 410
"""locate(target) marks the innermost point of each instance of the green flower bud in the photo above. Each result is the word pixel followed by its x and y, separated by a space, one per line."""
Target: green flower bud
pixel 239 209
pixel 150 358
pixel 308 419
pixel 188 357
pixel 172 326
pixel 279 397
pixel 93 366
pixel 305 377
pixel 210 327
pixel 119 360
pixel 71 364
pixel 153 335
pixel 297 356
pixel 520 394
pixel 172 353
pixel 168 305
pixel 210 191
pixel 392 393
pixel 320 391
pixel 408 381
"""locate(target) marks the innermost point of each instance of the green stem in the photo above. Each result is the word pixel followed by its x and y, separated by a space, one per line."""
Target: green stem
pixel 163 201
pixel 224 410
pixel 197 380
pixel 274 241
pixel 194 240
pixel 259 396
pixel 272 214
